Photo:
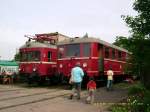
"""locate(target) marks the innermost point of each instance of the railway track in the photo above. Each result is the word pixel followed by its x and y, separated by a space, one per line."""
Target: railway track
pixel 8 90
pixel 35 101
pixel 11 102
pixel 9 98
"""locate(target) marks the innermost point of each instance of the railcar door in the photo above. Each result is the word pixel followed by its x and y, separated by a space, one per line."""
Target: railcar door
pixel 101 64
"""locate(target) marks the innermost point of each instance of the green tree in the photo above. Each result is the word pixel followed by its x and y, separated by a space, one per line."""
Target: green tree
pixel 17 57
pixel 140 39
pixel 122 42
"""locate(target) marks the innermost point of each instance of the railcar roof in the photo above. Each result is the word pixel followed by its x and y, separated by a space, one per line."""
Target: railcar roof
pixel 35 44
pixel 89 40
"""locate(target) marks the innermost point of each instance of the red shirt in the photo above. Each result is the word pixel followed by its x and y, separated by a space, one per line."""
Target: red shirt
pixel 91 85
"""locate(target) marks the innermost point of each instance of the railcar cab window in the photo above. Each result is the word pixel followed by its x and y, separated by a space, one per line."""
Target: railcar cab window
pixel 60 52
pixel 36 55
pixel 49 55
pixel 106 52
pixel 86 50
pixel 73 50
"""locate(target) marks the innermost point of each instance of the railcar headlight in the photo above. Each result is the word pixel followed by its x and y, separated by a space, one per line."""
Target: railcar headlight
pixel 19 69
pixel 84 64
pixel 34 69
pixel 60 65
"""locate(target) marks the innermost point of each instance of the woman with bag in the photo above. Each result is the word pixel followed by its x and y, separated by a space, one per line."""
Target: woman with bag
pixel 76 80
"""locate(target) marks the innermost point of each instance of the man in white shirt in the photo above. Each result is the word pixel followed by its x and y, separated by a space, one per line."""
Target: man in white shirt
pixel 110 74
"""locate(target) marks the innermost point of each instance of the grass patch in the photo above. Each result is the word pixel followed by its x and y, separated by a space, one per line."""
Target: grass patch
pixel 119 108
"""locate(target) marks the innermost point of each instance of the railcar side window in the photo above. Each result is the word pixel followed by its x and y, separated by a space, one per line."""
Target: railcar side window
pixel 106 52
pixel 73 50
pixel 113 54
pixel 119 55
pixel 86 49
pixel 49 56
pixel 127 56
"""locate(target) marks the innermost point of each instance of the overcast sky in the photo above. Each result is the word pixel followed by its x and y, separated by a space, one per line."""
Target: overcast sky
pixel 99 18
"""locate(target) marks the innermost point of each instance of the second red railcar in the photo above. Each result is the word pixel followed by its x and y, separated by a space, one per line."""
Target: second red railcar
pixel 94 55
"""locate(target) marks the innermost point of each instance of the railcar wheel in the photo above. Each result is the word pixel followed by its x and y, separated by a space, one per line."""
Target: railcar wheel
pixel 41 80
pixel 53 80
pixel 29 80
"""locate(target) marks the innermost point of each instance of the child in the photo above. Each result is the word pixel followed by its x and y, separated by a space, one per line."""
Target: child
pixel 91 87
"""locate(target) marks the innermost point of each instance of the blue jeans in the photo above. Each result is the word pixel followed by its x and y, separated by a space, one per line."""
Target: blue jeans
pixel 76 88
pixel 109 84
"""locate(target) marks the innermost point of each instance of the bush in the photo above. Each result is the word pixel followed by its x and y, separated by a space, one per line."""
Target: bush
pixel 138 100
pixel 137 89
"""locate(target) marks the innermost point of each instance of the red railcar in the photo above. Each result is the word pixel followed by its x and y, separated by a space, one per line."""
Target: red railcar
pixel 94 55
pixel 39 57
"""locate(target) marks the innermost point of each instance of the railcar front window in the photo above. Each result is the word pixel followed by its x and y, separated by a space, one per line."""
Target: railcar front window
pixel 24 56
pixel 73 50
pixel 30 56
pixel 36 56
pixel 86 50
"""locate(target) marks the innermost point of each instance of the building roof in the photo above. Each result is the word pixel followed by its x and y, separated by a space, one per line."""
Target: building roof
pixel 8 63
pixel 88 40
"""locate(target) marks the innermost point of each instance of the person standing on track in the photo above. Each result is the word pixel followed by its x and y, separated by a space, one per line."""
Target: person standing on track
pixel 110 74
pixel 76 80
